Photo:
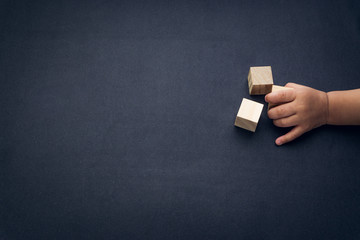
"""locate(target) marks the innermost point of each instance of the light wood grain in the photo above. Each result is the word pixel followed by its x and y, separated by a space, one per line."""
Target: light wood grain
pixel 248 115
pixel 260 80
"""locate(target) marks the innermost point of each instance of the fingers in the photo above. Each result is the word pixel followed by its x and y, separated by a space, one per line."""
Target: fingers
pixel 293 85
pixel 287 122
pixel 282 96
pixel 282 111
pixel 290 136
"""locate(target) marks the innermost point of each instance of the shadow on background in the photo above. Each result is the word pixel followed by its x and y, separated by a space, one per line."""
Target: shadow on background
pixel 243 132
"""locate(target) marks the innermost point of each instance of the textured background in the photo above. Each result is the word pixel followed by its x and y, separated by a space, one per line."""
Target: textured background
pixel 116 120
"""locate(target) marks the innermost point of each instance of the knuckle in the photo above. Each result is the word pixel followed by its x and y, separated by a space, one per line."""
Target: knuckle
pixel 283 94
pixel 282 122
pixel 301 108
pixel 270 114
pixel 279 122
pixel 281 111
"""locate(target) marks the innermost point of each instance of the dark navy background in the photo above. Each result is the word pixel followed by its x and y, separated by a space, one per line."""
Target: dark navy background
pixel 117 120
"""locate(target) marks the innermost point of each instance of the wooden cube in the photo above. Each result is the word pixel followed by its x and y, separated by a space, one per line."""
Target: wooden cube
pixel 260 80
pixel 274 89
pixel 248 115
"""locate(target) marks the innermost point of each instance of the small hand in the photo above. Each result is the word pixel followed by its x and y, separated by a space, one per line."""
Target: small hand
pixel 302 107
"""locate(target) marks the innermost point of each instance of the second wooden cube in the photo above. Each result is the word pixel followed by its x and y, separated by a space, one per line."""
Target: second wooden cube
pixel 248 115
pixel 260 80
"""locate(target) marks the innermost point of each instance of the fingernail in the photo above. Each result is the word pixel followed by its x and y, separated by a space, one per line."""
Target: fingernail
pixel 278 142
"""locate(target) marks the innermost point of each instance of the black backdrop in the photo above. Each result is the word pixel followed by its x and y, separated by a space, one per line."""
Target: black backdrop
pixel 117 120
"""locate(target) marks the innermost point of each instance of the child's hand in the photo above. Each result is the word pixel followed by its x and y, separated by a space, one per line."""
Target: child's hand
pixel 303 107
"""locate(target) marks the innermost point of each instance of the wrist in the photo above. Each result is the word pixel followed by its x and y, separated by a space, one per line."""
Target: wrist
pixel 331 119
pixel 323 109
pixel 327 107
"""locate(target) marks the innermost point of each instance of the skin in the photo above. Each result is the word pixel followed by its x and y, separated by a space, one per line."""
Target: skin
pixel 305 108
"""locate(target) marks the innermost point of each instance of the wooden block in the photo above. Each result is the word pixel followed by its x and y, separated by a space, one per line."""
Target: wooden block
pixel 274 89
pixel 248 115
pixel 260 80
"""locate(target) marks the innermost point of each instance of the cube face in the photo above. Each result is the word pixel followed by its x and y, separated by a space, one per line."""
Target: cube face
pixel 248 115
pixel 250 110
pixel 261 75
pixel 276 88
pixel 260 89
pixel 260 80
pixel 245 124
